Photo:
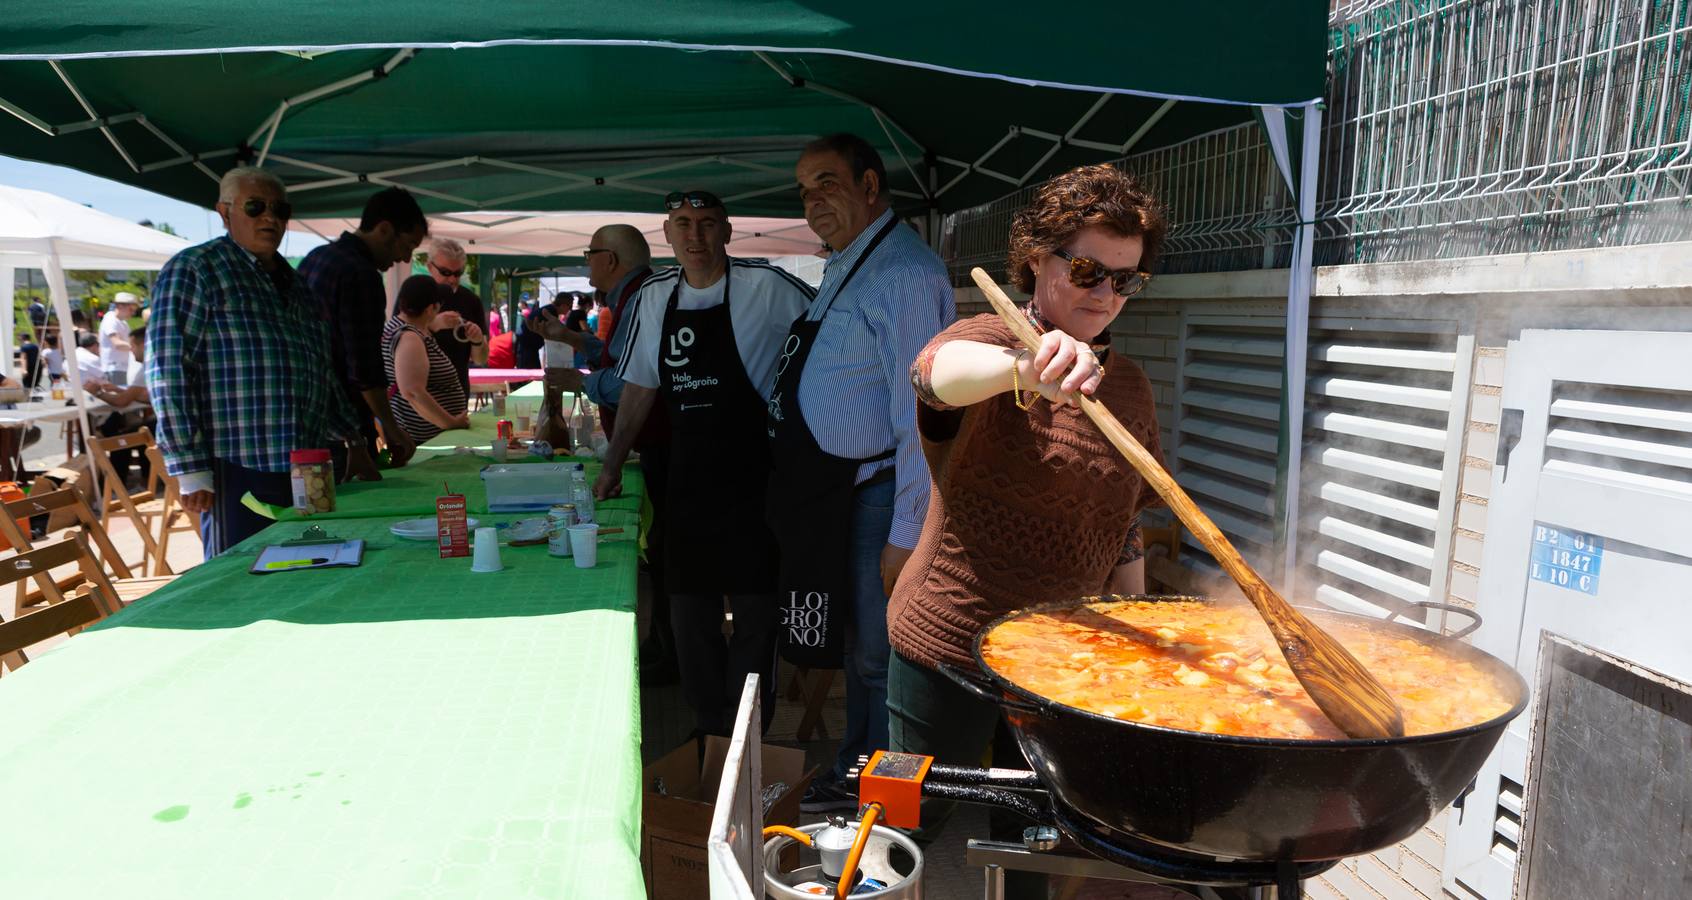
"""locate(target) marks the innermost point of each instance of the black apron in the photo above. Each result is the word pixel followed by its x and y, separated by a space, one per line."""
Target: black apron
pixel 810 505
pixel 717 541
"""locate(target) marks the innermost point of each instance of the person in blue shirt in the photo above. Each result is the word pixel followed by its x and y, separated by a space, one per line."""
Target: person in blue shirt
pixel 850 486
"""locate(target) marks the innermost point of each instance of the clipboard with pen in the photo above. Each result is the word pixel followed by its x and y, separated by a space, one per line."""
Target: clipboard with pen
pixel 314 550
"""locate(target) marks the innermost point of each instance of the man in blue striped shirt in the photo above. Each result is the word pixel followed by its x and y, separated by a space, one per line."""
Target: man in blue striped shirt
pixel 851 486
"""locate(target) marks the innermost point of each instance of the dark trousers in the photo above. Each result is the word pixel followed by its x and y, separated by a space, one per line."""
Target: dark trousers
pixel 655 469
pixel 229 522
pixel 928 714
pixel 714 669
pixel 136 457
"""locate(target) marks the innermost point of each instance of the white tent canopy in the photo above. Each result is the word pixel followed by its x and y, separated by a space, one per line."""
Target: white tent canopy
pixel 43 231
pixel 567 234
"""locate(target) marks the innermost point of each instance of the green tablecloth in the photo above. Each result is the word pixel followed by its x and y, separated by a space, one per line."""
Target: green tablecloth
pixel 404 728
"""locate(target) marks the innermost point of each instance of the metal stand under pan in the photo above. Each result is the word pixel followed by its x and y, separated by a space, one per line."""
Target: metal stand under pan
pixel 1108 854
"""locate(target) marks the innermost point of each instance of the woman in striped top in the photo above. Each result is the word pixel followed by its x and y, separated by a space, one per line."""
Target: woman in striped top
pixel 423 386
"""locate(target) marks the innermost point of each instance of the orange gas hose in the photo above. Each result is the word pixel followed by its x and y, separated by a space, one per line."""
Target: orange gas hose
pixel 794 833
pixel 864 828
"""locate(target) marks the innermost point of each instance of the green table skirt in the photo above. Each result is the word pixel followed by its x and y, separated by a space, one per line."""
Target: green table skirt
pixel 404 728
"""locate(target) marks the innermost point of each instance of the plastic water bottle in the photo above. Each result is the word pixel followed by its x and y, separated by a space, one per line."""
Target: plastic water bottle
pixel 582 495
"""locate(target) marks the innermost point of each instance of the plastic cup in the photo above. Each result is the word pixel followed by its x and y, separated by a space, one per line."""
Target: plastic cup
pixel 485 553
pixel 522 421
pixel 584 544
pixel 501 449
pixel 499 405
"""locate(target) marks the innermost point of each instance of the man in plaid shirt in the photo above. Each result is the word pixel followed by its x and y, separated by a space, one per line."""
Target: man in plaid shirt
pixel 239 369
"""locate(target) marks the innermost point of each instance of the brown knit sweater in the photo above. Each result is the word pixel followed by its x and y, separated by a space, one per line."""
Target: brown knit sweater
pixel 1027 507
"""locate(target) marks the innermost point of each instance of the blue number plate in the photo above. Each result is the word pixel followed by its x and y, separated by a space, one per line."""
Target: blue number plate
pixel 1567 559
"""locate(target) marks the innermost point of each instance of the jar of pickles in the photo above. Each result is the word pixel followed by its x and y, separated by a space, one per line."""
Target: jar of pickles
pixel 314 481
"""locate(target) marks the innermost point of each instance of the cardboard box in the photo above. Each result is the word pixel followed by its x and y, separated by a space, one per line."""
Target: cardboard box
pixel 674 824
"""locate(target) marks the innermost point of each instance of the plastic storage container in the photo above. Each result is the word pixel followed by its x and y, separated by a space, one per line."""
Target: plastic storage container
pixel 525 487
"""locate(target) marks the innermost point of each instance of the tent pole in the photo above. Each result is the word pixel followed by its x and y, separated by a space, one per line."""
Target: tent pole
pixel 933 204
pixel 67 345
pixel 8 276
pixel 1299 286
pixel 89 109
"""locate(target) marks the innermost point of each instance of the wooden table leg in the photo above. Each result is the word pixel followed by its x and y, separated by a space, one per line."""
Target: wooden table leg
pixel 811 722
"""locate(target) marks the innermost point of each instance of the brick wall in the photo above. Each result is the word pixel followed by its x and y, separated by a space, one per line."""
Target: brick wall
pixel 1480 449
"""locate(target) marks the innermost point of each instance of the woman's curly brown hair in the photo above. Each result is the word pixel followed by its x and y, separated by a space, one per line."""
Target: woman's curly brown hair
pixel 1086 197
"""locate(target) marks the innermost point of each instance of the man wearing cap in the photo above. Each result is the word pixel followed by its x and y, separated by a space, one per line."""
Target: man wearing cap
pixel 115 352
pixel 703 342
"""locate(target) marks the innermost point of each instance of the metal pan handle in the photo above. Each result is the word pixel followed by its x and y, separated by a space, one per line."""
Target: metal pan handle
pixel 974 686
pixel 1465 631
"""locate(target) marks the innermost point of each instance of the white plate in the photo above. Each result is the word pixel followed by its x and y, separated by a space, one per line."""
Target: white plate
pixel 422 529
pixel 527 530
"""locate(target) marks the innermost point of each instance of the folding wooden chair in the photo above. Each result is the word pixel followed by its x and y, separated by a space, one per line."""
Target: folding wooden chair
pixel 65 617
pixel 142 507
pixel 126 589
pixel 171 510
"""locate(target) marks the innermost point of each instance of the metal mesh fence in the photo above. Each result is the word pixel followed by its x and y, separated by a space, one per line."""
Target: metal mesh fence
pixel 1453 128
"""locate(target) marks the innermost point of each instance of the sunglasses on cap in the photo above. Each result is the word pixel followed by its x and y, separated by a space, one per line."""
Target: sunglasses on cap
pixel 695 199
pixel 445 272
pixel 255 207
pixel 1086 273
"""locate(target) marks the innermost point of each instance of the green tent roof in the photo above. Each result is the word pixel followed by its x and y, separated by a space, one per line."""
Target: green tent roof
pixel 504 105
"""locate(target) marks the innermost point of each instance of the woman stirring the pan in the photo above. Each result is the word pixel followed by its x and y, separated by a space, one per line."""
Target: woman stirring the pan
pixel 1031 503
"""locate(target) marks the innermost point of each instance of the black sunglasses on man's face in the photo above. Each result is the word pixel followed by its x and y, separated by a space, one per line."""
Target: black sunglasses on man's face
pixel 256 206
pixel 446 272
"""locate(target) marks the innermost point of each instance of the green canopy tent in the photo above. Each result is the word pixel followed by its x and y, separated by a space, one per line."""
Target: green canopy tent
pixel 553 106
pixel 507 105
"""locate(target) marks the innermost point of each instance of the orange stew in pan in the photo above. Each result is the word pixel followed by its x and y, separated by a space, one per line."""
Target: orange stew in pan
pixel 1215 668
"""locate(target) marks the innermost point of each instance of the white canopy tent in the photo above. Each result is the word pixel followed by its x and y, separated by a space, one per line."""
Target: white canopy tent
pixel 43 231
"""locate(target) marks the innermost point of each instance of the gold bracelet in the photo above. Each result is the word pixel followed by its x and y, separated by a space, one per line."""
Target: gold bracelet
pixel 1016 386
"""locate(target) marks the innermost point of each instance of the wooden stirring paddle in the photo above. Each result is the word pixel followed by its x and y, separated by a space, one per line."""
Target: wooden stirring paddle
pixel 1346 693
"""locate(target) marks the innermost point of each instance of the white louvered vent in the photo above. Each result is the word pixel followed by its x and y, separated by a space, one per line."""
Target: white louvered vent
pixel 1631 437
pixel 1379 417
pixel 1227 423
pixel 1507 822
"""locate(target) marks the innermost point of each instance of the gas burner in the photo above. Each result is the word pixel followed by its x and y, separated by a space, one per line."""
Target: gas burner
pixel 897 780
pixel 1175 866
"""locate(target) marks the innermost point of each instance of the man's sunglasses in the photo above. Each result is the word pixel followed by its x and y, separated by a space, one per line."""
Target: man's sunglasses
pixel 695 199
pixel 256 207
pixel 445 272
pixel 1087 273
